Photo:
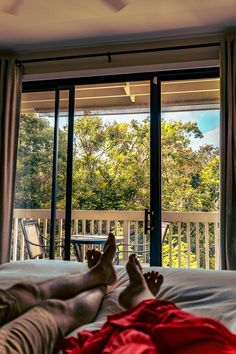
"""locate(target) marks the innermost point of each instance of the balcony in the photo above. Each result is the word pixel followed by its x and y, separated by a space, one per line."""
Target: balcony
pixel 191 241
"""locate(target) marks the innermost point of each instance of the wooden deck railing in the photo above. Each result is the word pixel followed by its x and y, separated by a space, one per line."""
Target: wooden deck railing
pixel 192 239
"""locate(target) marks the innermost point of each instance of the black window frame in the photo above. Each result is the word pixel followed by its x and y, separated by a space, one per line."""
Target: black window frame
pixel 155 78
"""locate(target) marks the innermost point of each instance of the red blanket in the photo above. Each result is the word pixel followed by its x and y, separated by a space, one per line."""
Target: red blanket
pixel 154 327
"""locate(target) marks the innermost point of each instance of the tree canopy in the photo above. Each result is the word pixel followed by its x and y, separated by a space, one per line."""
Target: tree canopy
pixel 111 170
pixel 111 165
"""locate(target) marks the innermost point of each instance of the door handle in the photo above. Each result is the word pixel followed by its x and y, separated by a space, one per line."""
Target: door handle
pixel 146 221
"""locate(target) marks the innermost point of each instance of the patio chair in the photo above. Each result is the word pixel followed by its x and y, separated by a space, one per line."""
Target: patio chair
pixel 135 248
pixel 35 241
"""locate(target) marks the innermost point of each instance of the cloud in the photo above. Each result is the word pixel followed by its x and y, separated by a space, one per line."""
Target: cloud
pixel 211 137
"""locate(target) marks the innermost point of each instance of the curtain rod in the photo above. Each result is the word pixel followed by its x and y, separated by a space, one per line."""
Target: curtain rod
pixel 110 54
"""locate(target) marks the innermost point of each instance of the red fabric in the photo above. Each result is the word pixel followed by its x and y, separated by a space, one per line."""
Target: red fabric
pixel 154 327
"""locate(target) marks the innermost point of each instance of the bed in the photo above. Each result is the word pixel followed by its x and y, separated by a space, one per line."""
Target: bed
pixel 200 292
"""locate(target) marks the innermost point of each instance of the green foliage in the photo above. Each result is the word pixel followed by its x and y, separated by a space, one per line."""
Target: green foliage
pixel 175 256
pixel 186 174
pixel 112 162
pixel 111 165
pixel 34 164
pixel 111 168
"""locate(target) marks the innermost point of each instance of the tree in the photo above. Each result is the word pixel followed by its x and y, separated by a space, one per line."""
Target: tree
pixel 34 163
pixel 184 182
pixel 33 178
pixel 111 166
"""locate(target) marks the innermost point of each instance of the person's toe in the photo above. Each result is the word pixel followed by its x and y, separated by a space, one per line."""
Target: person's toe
pixel 131 265
pixel 97 255
pixel 147 276
pixel 88 254
pixel 159 280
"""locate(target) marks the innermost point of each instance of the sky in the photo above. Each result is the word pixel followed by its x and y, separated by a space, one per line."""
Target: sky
pixel 208 122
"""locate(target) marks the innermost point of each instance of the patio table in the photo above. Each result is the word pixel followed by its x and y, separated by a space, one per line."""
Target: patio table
pixel 78 240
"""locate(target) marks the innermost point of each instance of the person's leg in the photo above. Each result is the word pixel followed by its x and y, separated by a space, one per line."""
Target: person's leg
pixel 78 310
pixel 141 287
pixel 42 328
pixel 160 319
pixel 29 294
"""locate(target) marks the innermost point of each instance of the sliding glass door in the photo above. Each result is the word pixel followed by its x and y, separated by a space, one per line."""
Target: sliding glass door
pixel 93 155
pixel 34 165
pixel 40 189
pixel 111 164
pixel 190 156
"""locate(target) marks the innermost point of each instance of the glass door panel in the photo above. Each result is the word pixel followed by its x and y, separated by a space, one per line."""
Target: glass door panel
pixel 58 202
pixel 34 165
pixel 111 163
pixel 190 125
pixel 62 149
pixel 40 189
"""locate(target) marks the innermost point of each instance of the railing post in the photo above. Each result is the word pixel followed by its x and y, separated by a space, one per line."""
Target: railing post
pixel 136 236
pixel 60 236
pixel 179 245
pixel 206 227
pixel 22 248
pixel 116 227
pixel 15 240
pixel 84 233
pixel 99 227
pixel 198 245
pixel 188 244
pixel 45 229
pixel 108 226
pixel 217 246
pixel 91 227
pixel 126 234
pixel 170 246
pixel 144 248
pixel 76 227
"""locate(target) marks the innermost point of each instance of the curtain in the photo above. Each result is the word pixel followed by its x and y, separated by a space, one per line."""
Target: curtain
pixel 10 94
pixel 228 146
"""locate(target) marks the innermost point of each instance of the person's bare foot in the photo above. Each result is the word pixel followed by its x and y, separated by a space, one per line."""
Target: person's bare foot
pixel 93 257
pixel 104 268
pixel 138 288
pixel 154 281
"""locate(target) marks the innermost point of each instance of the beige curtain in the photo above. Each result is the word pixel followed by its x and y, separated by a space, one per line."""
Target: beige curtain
pixel 10 92
pixel 228 145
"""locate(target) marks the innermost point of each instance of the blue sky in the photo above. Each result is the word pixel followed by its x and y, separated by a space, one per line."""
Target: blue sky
pixel 208 122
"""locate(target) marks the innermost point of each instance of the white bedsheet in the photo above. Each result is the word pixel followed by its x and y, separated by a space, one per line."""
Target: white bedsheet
pixel 200 292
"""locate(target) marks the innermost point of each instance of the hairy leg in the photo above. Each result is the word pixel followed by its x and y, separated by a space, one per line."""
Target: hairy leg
pixel 78 310
pixel 42 328
pixel 29 294
pixel 138 288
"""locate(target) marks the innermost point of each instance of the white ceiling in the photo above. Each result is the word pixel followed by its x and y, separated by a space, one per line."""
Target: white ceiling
pixel 57 23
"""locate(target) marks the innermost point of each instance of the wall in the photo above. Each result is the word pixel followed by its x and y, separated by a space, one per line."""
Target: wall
pixel 129 63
